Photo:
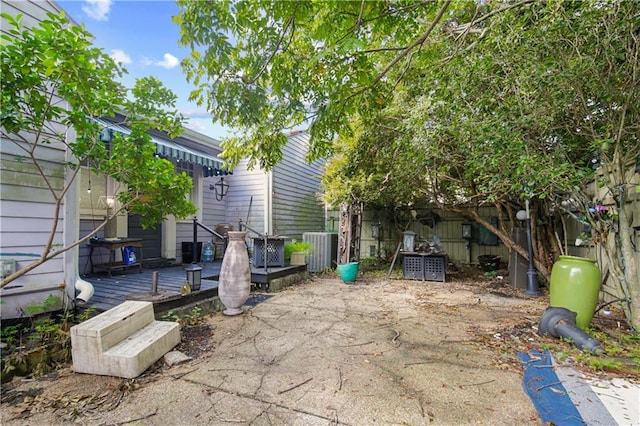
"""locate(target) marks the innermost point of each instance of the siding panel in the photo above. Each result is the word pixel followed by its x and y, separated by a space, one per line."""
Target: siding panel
pixel 26 207
pixel 296 185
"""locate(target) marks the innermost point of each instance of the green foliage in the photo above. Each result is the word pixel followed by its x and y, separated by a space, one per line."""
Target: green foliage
pixel 187 319
pixel 51 303
pixel 193 317
pixel 13 334
pixel 53 80
pixel 297 247
pixel 600 364
pixel 510 111
pixel 170 316
pixel 621 352
pixel 86 314
pixel 38 344
pixel 265 66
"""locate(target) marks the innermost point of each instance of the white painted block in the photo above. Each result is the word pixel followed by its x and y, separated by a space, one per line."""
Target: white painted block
pixel 123 341
pixel 107 329
pixel 133 355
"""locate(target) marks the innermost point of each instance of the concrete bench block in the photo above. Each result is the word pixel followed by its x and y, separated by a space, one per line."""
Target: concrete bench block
pixel 123 341
pixel 133 355
pixel 109 328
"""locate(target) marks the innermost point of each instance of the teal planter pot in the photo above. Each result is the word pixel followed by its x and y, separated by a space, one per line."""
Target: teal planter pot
pixel 574 285
pixel 348 271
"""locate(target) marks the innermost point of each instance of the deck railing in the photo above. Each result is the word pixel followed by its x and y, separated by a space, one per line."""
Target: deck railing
pixel 265 236
pixel 197 225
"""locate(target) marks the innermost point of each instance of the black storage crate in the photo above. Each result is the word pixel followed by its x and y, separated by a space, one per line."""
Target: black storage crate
pixel 275 252
pixel 435 268
pixel 413 267
pixel 417 266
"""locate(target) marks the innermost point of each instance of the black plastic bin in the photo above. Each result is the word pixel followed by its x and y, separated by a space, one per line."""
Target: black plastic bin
pixel 187 252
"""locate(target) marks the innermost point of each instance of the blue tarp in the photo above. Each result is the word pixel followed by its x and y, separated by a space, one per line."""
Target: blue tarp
pixel 546 391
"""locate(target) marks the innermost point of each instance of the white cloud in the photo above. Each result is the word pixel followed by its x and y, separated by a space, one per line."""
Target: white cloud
pixel 120 56
pixel 168 62
pixel 97 9
pixel 195 125
pixel 196 113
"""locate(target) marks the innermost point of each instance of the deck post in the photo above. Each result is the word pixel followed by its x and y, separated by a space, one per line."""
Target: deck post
pixel 195 241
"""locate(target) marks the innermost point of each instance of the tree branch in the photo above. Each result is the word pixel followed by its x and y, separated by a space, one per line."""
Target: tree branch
pixel 404 53
pixel 290 22
pixel 359 20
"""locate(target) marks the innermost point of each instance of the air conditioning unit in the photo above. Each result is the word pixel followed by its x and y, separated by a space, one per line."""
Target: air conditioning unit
pixel 325 250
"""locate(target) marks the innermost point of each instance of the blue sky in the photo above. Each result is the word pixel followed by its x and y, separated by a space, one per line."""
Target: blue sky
pixel 141 35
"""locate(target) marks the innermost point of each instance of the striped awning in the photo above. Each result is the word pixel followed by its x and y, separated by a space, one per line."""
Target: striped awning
pixel 165 147
pixel 171 149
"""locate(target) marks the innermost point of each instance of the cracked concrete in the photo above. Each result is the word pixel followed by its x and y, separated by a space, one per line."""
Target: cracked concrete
pixel 324 352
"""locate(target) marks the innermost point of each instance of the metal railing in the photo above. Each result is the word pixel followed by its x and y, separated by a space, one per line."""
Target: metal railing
pixel 197 224
pixel 265 236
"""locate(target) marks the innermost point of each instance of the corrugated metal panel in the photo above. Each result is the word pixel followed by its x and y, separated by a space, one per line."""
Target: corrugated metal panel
pixel 325 250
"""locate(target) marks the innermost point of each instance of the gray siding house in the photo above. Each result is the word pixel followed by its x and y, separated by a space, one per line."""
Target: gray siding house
pixel 192 153
pixel 27 206
pixel 283 201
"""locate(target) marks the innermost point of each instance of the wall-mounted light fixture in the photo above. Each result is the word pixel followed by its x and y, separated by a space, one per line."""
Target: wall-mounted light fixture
pixel 466 231
pixel 408 241
pixel 221 187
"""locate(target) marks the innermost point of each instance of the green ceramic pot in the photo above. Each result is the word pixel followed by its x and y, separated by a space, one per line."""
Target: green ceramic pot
pixel 348 271
pixel 575 283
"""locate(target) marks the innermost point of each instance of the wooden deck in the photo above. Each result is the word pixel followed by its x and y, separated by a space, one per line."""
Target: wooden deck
pixel 131 284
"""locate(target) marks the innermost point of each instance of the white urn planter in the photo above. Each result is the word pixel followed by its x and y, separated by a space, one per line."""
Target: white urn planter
pixel 234 283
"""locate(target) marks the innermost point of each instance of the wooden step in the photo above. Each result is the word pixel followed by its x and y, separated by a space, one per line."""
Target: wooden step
pixel 109 328
pixel 135 354
pixel 123 341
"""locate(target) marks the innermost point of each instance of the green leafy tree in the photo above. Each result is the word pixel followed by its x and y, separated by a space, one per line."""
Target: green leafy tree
pixel 543 106
pixel 54 80
pixel 265 66
pixel 510 101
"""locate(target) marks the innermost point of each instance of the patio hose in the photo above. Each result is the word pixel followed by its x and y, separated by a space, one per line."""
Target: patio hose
pixel 561 322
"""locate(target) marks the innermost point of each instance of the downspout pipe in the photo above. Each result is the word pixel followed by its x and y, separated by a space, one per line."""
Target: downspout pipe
pixel 561 322
pixel 86 292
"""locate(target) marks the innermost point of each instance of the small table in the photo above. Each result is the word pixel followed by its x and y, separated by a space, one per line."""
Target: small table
pixel 112 244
